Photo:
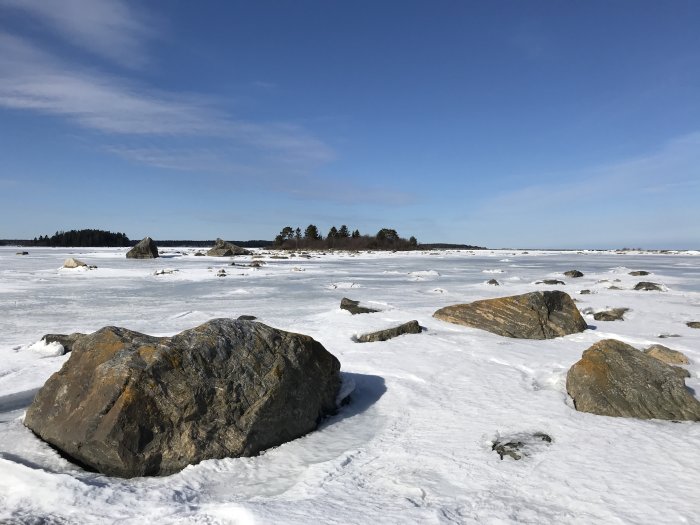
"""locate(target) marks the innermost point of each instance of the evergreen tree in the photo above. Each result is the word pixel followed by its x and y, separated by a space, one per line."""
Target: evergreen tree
pixel 356 234
pixel 343 232
pixel 311 233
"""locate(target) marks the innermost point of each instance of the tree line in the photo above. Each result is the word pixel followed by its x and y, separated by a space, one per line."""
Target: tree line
pixel 83 238
pixel 342 239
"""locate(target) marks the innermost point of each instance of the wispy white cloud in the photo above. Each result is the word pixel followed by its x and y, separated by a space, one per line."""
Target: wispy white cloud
pixel 35 81
pixel 647 201
pixel 108 28
pixel 674 165
pixel 181 132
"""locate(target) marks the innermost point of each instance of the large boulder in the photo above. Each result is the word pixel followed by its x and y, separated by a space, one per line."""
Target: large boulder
pixel 129 404
pixel 411 327
pixel 226 249
pixel 534 315
pixel 574 273
pixel 615 379
pixel 145 249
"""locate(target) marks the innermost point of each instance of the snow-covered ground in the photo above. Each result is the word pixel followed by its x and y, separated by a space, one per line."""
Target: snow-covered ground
pixel 415 444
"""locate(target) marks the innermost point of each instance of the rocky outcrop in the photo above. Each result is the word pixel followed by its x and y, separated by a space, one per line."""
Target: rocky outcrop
pixel 668 356
pixel 354 307
pixel 614 314
pixel 65 340
pixel 129 404
pixel 493 282
pixel 614 379
pixel 145 249
pixel 411 327
pixel 573 273
pixel 226 249
pixel 534 315
pixel 693 324
pixel 644 285
pixel 73 263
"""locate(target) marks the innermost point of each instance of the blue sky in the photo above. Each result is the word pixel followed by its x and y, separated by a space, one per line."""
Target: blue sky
pixel 503 124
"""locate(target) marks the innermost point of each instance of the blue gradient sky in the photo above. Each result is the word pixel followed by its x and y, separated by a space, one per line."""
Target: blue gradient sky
pixel 504 124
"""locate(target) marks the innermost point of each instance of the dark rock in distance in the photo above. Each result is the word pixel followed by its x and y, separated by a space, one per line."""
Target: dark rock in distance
pixel 644 285
pixel 585 292
pixel 494 282
pixel 247 318
pixel 411 327
pixel 615 379
pixel 534 315
pixel 354 307
pixel 226 249
pixel 145 249
pixel 693 324
pixel 573 273
pixel 614 314
pixel 65 340
pixel 129 404
pixel 639 273
pixel 22 253
pixel 550 282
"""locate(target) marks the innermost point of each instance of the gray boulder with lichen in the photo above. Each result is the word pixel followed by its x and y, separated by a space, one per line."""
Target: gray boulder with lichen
pixel 534 315
pixel 129 404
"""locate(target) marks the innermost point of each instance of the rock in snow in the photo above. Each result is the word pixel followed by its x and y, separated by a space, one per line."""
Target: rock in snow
pixel 615 379
pixel 129 404
pixel 65 340
pixel 573 273
pixel 354 307
pixel 614 314
pixel 145 249
pixel 668 356
pixel 73 263
pixel 411 327
pixel 226 249
pixel 644 285
pixel 534 315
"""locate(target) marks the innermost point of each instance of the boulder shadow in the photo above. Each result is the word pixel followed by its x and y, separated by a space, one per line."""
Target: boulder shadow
pixel 591 327
pixel 367 391
pixel 17 401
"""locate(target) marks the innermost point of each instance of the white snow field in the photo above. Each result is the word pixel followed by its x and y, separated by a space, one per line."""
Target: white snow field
pixel 415 443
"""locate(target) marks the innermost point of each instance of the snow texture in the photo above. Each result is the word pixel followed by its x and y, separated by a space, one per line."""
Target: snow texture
pixel 413 442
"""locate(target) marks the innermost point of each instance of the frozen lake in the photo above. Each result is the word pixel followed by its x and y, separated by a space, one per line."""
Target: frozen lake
pixel 414 446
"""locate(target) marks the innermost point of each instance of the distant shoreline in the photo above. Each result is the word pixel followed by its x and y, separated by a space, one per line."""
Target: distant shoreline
pixel 28 243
